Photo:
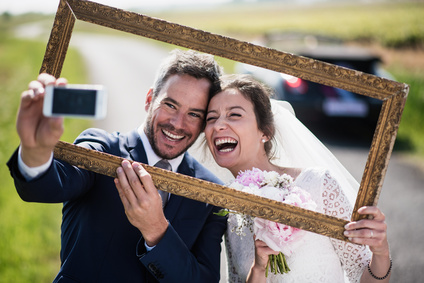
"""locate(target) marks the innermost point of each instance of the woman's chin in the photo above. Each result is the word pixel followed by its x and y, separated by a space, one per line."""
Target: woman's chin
pixel 225 162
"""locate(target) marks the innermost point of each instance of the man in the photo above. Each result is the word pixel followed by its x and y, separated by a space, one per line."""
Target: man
pixel 178 244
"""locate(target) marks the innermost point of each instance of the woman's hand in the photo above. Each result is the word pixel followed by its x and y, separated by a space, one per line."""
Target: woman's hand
pixel 258 269
pixel 371 232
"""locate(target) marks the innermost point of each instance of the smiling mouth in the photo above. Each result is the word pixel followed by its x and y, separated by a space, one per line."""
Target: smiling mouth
pixel 225 144
pixel 171 136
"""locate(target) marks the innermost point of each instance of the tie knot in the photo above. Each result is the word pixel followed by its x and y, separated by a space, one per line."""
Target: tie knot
pixel 164 164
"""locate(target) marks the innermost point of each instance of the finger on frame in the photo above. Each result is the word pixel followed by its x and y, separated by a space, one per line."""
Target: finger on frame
pixel 121 193
pixel 125 186
pixel 61 81
pixel 145 178
pixel 374 211
pixel 134 179
pixel 46 79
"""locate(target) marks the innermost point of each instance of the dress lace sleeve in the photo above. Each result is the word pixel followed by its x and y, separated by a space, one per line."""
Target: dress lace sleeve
pixel 354 258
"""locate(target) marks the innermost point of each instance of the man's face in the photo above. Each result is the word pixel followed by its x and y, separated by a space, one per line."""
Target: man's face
pixel 175 117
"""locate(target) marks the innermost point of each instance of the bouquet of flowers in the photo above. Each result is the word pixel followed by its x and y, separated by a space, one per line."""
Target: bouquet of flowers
pixel 277 236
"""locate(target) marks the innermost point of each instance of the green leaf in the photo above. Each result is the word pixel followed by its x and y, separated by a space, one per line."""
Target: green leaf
pixel 222 212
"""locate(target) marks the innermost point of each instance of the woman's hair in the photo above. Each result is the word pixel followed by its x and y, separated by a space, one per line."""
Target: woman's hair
pixel 192 63
pixel 259 94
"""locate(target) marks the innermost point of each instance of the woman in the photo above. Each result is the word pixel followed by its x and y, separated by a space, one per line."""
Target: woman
pixel 240 133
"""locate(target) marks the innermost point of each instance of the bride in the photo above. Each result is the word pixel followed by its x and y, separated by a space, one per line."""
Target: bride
pixel 243 133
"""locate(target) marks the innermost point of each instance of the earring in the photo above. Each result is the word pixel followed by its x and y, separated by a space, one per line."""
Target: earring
pixel 263 141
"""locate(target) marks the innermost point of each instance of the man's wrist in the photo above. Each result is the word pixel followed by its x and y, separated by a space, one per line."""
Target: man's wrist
pixel 35 158
pixel 153 240
pixel 148 248
pixel 30 173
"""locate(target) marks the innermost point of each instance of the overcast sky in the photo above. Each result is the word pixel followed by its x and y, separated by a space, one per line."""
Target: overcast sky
pixel 50 6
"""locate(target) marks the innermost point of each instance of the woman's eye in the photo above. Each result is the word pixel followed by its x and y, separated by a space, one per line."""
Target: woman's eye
pixel 210 118
pixel 235 115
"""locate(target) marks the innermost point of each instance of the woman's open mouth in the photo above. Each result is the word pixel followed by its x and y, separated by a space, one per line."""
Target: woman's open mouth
pixel 225 144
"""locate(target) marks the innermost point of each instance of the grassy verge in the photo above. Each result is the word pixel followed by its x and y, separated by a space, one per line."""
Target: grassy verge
pixel 410 136
pixel 29 232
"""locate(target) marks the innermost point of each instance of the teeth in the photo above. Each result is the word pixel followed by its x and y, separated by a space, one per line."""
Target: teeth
pixel 172 136
pixel 224 140
pixel 226 150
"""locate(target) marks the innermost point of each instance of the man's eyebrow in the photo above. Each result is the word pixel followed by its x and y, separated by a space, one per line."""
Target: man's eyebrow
pixel 173 101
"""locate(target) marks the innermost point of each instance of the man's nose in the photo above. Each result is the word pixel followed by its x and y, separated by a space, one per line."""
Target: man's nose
pixel 178 121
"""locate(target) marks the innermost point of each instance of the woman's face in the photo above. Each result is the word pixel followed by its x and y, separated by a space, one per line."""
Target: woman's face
pixel 232 132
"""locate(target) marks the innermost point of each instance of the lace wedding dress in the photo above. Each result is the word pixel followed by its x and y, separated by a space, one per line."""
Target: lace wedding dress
pixel 317 258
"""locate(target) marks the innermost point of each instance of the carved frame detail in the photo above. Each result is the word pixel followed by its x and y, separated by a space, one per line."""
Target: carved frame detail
pixel 393 94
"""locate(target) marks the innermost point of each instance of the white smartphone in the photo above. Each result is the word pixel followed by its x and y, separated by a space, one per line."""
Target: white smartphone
pixel 80 101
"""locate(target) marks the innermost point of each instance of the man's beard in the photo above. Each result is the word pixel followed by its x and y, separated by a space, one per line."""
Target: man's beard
pixel 150 133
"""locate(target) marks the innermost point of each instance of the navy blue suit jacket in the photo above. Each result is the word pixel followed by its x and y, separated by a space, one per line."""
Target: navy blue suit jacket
pixel 98 242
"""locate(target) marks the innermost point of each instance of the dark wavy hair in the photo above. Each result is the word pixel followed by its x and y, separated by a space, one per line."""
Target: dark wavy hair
pixel 192 63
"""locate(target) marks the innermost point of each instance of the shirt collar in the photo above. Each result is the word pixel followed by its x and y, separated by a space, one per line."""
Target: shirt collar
pixel 152 158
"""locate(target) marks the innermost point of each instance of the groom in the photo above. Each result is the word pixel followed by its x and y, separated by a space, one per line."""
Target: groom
pixel 99 244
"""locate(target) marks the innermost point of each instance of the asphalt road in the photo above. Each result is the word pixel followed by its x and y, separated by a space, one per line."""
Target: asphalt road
pixel 126 66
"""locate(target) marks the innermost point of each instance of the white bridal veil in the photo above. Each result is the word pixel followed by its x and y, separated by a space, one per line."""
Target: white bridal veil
pixel 297 146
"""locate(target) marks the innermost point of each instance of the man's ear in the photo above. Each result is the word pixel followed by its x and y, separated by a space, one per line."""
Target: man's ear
pixel 149 97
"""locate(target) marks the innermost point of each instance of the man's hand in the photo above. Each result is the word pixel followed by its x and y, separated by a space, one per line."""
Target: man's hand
pixel 38 134
pixel 142 202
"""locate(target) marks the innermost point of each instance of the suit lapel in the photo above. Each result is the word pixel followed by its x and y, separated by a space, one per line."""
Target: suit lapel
pixel 135 147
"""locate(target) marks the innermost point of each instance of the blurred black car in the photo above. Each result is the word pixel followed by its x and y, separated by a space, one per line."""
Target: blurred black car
pixel 314 102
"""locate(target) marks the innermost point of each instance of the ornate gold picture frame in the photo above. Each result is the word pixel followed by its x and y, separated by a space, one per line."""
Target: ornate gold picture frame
pixel 393 95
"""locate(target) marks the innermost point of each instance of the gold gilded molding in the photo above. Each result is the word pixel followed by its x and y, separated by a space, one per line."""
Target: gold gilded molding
pixel 379 155
pixel 60 36
pixel 207 192
pixel 393 94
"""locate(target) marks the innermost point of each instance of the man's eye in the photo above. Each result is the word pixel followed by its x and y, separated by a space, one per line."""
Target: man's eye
pixel 170 105
pixel 196 115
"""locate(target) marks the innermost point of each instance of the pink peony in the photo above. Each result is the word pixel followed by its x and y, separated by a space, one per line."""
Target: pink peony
pixel 248 177
pixel 277 236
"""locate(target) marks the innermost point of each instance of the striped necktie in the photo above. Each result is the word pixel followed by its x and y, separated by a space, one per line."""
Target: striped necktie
pixel 164 164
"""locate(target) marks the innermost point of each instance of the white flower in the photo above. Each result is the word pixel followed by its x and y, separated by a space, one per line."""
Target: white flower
pixel 270 178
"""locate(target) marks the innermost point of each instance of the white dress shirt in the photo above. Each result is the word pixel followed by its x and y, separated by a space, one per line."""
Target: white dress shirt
pixel 31 173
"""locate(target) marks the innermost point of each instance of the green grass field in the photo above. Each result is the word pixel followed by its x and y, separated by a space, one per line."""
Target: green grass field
pixel 30 233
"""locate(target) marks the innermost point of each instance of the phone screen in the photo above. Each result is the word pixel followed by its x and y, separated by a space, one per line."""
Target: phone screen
pixel 74 101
